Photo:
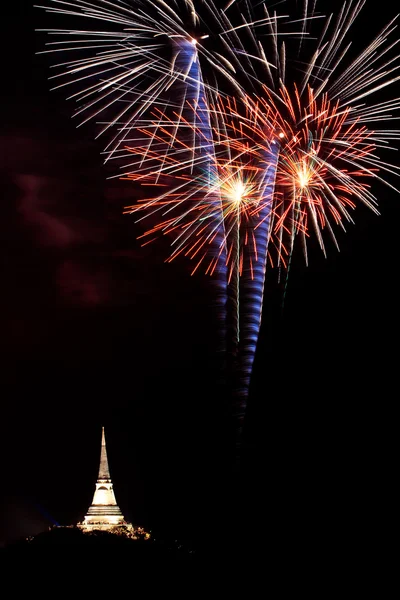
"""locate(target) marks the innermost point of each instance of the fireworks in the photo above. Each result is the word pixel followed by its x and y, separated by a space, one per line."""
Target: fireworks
pixel 253 131
pixel 326 160
pixel 187 209
pixel 146 48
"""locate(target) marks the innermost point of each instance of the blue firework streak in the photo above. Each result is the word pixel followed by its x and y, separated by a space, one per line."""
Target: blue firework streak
pixel 252 283
pixel 195 111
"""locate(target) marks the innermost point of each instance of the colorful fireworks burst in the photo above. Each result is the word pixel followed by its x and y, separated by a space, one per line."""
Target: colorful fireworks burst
pixel 249 138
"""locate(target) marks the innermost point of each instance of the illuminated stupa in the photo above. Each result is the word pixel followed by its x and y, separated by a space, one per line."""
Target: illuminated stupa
pixel 104 512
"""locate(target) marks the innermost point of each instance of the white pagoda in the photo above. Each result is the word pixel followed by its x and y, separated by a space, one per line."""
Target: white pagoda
pixel 104 513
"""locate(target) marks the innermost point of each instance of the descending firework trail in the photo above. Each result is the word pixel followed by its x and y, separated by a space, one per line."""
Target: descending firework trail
pixel 195 111
pixel 252 286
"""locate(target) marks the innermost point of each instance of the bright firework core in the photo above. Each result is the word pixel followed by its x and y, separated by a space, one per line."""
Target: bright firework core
pixel 304 175
pixel 237 191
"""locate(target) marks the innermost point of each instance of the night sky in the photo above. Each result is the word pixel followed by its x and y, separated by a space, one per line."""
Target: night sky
pixel 96 330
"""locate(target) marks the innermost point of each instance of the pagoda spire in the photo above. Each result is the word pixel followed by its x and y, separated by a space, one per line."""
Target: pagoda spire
pixel 104 471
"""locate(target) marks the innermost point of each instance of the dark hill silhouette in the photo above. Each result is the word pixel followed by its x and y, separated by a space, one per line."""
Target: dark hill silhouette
pixel 71 540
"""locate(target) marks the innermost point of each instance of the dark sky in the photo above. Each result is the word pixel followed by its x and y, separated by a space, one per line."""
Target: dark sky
pixel 98 331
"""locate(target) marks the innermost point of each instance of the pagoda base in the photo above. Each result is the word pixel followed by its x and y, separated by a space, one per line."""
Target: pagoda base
pixel 121 528
pixel 104 526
